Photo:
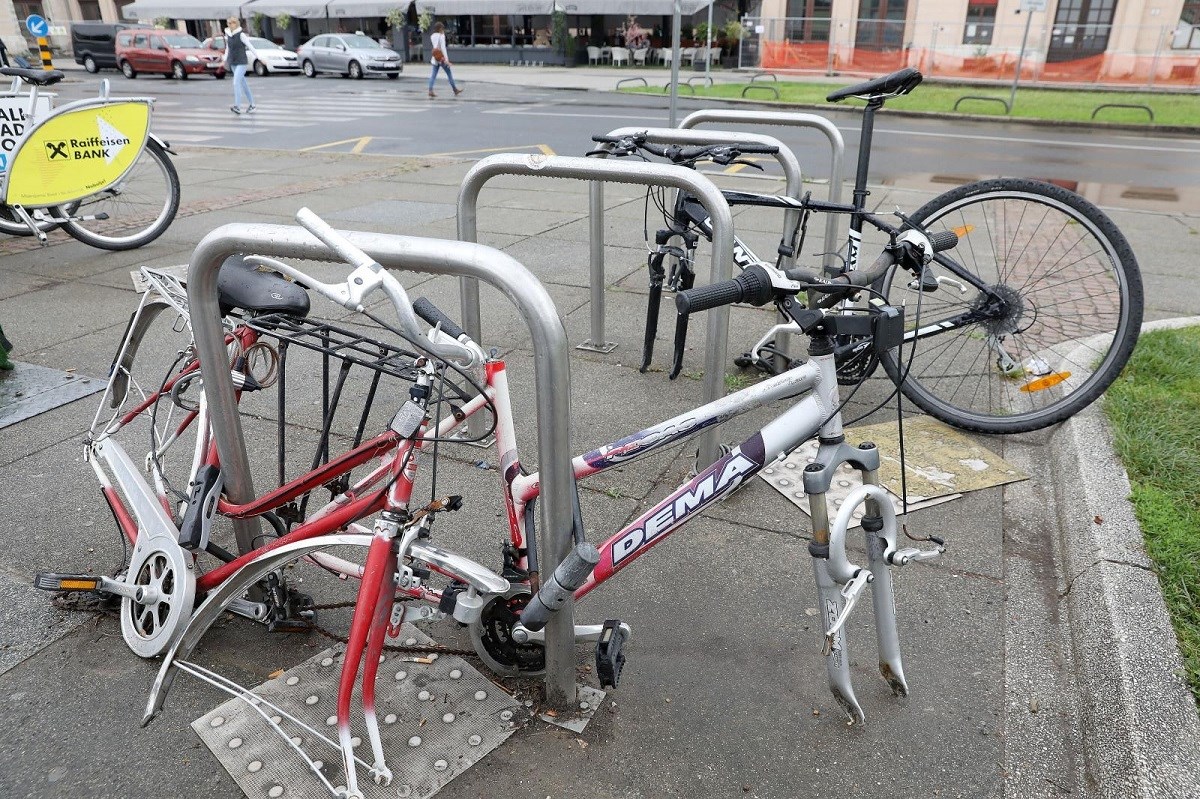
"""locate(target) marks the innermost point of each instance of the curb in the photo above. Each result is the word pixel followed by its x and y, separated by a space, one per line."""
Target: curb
pixel 1139 722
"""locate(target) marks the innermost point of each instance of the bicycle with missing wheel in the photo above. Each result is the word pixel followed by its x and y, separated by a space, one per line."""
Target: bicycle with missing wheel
pixel 1028 321
pixel 172 528
pixel 91 167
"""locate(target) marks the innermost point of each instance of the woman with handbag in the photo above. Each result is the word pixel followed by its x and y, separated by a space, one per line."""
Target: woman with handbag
pixel 437 43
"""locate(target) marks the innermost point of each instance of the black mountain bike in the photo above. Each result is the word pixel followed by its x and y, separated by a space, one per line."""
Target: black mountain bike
pixel 1027 321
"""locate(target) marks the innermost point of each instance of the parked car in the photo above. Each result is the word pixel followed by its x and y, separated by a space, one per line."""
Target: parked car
pixel 95 44
pixel 170 53
pixel 349 54
pixel 265 56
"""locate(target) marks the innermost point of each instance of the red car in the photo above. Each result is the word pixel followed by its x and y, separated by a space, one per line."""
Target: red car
pixel 167 52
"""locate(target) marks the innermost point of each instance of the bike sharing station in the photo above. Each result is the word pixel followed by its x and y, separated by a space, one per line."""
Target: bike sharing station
pixel 429 718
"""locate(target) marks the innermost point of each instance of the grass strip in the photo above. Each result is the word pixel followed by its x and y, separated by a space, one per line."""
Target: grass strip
pixel 1154 408
pixel 1062 105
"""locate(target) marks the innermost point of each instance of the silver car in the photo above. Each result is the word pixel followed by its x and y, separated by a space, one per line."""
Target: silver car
pixel 349 54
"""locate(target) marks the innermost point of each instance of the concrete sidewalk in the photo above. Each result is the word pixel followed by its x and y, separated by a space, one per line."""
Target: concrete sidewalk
pixel 724 693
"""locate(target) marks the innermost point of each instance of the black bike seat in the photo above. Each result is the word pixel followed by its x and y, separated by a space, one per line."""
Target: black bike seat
pixel 242 285
pixel 38 77
pixel 900 82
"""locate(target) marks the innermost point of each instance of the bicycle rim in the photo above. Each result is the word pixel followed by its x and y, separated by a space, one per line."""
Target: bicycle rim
pixel 13 226
pixel 136 211
pixel 1056 323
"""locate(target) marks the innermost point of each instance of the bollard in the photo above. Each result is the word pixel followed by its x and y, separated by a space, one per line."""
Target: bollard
pixel 44 49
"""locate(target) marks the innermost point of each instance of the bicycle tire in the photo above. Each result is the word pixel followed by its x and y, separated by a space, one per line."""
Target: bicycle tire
pixel 139 208
pixel 1069 310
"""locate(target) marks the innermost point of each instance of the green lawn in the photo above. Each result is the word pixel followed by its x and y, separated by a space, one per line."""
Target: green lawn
pixel 1154 407
pixel 1074 105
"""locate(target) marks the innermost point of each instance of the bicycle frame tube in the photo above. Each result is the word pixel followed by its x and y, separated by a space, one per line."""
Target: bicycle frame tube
pixel 812 414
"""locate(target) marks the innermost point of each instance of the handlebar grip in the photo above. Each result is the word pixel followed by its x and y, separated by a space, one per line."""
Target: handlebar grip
pixel 433 315
pixel 753 286
pixel 943 240
pixel 765 149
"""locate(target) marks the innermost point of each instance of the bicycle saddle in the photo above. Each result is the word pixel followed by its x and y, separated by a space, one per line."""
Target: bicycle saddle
pixel 900 82
pixel 38 77
pixel 242 285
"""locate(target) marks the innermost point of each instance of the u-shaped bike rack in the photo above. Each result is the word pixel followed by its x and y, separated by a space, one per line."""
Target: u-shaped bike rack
pixel 471 262
pixel 600 171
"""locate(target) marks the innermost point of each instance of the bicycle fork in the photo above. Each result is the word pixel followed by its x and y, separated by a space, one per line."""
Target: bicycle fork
pixel 840 582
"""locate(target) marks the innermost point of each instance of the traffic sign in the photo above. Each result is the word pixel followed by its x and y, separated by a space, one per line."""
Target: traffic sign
pixel 1033 5
pixel 57 30
pixel 37 26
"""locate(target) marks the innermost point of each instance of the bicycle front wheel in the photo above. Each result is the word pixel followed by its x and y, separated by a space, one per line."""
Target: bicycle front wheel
pixel 13 225
pixel 135 211
pixel 1039 308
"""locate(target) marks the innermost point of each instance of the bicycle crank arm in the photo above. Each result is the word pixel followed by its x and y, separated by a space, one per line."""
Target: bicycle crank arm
pixel 583 633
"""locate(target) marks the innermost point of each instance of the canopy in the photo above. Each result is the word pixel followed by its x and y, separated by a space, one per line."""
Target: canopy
pixel 648 7
pixel 450 8
pixel 363 8
pixel 298 9
pixel 146 10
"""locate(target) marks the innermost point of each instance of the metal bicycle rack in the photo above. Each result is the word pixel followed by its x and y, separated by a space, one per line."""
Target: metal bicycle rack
pixel 793 183
pixel 467 260
pixel 836 142
pixel 600 171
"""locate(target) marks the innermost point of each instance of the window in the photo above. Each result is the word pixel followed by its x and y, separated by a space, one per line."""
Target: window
pixel 808 20
pixel 1081 29
pixel 140 40
pixel 881 24
pixel 981 20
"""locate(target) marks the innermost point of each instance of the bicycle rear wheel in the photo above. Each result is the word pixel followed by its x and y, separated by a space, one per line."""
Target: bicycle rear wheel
pixel 1049 310
pixel 135 211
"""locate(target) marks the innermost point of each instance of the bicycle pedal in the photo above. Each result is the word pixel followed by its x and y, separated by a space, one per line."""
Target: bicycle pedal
pixel 296 615
pixel 53 581
pixel 609 658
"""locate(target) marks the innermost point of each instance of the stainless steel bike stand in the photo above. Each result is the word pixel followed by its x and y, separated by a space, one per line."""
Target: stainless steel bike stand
pixel 467 260
pixel 600 171
pixel 793 184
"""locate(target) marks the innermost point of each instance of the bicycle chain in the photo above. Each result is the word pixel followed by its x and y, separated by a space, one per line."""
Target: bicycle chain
pixel 83 602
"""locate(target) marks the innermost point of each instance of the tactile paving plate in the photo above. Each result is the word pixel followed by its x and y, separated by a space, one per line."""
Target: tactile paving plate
pixel 426 742
pixel 29 389
pixel 941 464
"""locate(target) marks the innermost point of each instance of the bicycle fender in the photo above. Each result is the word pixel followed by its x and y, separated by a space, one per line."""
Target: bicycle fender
pixel 163 143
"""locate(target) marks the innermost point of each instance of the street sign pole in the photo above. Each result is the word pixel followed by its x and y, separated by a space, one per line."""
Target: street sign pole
pixel 1027 7
pixel 39 28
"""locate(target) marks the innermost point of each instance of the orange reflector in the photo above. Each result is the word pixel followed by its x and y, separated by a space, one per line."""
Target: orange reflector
pixel 962 230
pixel 1043 383
pixel 78 585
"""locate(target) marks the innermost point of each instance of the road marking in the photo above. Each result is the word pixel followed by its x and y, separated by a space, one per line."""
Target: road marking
pixel 360 144
pixel 583 116
pixel 543 148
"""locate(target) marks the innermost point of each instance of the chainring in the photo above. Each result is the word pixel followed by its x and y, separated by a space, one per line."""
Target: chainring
pixel 491 636
pixel 165 577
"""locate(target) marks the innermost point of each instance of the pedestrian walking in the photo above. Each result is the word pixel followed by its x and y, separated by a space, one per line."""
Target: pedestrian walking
pixel 437 42
pixel 237 46
pixel 5 348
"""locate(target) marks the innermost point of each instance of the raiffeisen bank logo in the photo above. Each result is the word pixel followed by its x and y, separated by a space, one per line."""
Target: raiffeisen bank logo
pixel 105 147
pixel 683 503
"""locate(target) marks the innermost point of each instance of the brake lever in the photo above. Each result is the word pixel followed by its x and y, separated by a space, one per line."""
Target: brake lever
pixel 747 163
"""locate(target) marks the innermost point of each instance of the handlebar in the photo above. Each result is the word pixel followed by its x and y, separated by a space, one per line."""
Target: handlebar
pixel 679 154
pixel 756 287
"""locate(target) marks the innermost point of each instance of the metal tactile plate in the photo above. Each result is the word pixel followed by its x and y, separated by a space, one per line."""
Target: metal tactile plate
pixel 28 390
pixel 435 720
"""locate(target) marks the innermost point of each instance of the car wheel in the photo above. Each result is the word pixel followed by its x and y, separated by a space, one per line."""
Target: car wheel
pixel 356 70
pixel 127 70
pixel 90 64
pixel 177 71
pixel 260 69
pixel 309 69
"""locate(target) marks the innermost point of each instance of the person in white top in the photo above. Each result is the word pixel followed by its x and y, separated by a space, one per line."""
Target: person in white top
pixel 440 60
pixel 237 50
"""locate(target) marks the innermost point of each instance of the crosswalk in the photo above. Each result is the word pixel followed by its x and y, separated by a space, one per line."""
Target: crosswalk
pixel 207 120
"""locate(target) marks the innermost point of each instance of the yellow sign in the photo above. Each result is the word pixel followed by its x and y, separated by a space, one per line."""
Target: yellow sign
pixel 77 153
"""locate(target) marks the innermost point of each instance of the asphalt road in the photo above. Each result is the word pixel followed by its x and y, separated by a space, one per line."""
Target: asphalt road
pixel 396 117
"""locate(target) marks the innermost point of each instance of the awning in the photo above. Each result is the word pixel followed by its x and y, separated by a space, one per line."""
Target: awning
pixel 298 9
pixel 183 9
pixel 648 7
pixel 364 8
pixel 450 8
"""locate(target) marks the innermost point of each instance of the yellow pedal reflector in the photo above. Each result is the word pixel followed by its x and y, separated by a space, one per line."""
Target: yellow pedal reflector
pixel 78 585
pixel 962 230
pixel 49 581
pixel 1043 383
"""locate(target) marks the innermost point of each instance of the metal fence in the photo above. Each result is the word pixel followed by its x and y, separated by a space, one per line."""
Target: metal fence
pixel 1130 56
